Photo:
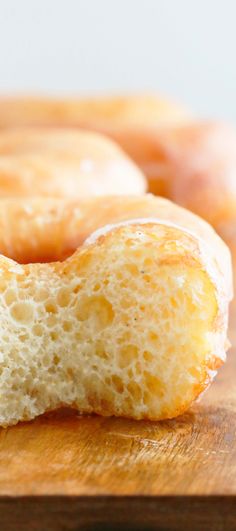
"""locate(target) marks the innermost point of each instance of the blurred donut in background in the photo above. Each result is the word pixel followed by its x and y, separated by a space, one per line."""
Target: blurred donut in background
pixel 190 162
pixel 105 113
pixel 64 163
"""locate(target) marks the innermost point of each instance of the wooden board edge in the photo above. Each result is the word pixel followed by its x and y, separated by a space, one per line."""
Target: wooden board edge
pixel 112 513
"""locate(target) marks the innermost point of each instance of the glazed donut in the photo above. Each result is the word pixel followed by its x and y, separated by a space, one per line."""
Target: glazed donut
pixel 133 323
pixel 190 162
pixel 104 112
pixel 64 163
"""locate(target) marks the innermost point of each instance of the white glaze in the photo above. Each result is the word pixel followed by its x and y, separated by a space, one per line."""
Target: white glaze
pixel 137 221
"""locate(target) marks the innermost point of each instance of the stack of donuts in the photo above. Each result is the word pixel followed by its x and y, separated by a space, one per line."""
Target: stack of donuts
pixel 113 297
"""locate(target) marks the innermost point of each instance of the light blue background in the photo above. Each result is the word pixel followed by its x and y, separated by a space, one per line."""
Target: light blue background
pixel 183 48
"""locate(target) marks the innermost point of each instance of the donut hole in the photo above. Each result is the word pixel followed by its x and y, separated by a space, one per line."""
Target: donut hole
pixel 39 231
pixel 27 255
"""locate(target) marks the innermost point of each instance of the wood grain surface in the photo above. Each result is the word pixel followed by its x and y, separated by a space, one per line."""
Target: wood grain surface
pixel 64 471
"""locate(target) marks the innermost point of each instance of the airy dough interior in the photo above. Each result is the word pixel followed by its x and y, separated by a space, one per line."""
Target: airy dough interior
pixel 126 326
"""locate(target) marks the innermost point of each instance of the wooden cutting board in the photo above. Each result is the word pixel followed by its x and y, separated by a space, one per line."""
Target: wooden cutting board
pixel 67 472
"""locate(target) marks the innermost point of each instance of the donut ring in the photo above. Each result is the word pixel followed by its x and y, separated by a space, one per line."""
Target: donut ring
pixel 133 323
pixel 64 163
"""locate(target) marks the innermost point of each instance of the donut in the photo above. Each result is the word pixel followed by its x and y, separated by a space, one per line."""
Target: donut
pixel 103 112
pixel 64 163
pixel 189 161
pixel 129 317
pixel 192 164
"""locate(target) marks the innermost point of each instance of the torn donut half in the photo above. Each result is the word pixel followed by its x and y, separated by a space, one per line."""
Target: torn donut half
pixel 133 323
